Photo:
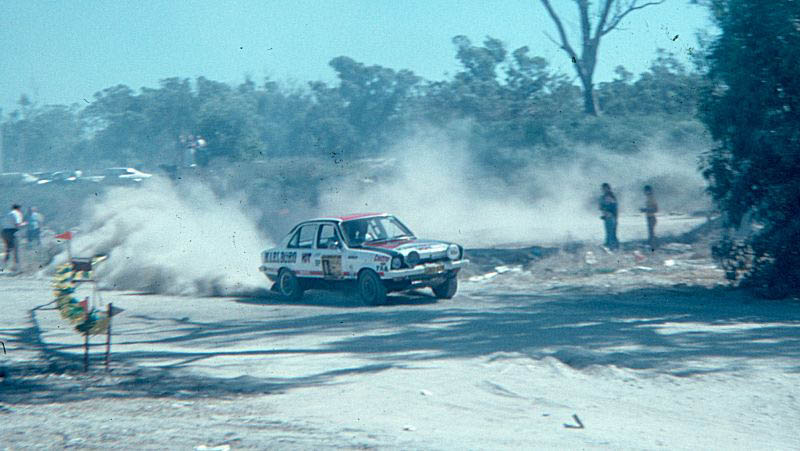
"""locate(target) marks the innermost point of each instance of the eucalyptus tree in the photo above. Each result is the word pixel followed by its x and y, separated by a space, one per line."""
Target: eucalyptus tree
pixel 595 23
pixel 752 108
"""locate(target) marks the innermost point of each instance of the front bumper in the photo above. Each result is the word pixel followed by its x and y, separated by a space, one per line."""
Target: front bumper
pixel 425 270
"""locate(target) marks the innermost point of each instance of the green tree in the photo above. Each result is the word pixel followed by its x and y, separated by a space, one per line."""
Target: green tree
pixel 171 110
pixel 618 97
pixel 665 88
pixel 118 126
pixel 752 108
pixel 41 137
pixel 228 122
pixel 371 97
pixel 53 133
pixel 328 131
pixel 536 99
pixel 282 115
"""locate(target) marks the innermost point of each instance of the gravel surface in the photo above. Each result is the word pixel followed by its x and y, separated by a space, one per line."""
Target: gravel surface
pixel 573 351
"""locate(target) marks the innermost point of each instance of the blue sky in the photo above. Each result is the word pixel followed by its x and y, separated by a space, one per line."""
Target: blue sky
pixel 65 51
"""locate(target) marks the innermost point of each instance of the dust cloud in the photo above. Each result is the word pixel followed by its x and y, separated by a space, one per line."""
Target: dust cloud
pixel 174 239
pixel 198 237
pixel 440 192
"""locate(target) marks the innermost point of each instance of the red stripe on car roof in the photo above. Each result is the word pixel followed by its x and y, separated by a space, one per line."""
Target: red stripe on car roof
pixel 358 216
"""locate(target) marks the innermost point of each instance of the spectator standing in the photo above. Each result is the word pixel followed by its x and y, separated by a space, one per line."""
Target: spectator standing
pixel 35 221
pixel 650 209
pixel 609 214
pixel 12 222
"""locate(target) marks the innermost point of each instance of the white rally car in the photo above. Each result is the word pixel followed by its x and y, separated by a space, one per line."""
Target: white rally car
pixel 374 250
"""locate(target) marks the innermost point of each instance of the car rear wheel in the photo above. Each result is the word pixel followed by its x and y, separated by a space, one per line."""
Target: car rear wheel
pixel 288 285
pixel 447 289
pixel 371 288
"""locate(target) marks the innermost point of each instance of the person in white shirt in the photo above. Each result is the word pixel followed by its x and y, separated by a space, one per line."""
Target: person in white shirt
pixel 12 222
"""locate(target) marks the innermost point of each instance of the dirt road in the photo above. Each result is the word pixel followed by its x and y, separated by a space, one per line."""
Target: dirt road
pixel 522 359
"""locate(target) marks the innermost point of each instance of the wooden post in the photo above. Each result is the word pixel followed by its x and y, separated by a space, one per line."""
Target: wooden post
pixel 86 352
pixel 108 336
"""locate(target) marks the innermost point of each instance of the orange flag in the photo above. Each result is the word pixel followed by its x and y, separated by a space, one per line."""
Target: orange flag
pixel 65 236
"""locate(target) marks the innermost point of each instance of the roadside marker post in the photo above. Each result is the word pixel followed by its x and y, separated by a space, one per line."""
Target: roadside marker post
pixel 108 335
pixel 87 316
pixel 86 352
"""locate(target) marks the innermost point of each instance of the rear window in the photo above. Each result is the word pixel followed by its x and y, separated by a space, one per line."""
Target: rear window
pixel 304 237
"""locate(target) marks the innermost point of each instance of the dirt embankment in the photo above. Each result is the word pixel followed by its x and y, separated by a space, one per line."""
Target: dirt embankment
pixel 680 259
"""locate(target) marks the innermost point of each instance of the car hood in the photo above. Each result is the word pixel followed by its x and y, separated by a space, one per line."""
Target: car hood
pixel 406 246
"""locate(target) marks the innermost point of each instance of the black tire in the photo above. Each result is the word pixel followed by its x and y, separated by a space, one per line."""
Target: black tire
pixel 446 290
pixel 371 289
pixel 289 285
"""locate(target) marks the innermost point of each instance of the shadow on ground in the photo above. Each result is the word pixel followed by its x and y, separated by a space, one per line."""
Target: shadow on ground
pixel 680 331
pixel 662 329
pixel 58 380
pixel 343 299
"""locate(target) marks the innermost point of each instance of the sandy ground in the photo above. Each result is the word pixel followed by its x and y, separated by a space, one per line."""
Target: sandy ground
pixel 579 350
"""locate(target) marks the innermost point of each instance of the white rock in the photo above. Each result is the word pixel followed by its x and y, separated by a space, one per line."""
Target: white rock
pixel 213 448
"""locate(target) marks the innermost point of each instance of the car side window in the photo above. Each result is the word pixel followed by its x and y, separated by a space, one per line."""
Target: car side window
pixel 375 231
pixel 327 237
pixel 304 237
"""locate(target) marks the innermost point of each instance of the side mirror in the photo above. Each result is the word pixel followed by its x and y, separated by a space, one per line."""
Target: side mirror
pixel 334 244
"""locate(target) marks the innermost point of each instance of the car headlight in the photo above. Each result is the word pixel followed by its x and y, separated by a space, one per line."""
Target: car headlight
pixel 453 252
pixel 397 262
pixel 412 259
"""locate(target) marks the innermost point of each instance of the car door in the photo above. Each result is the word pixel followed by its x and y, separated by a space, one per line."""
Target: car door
pixel 301 248
pixel 329 250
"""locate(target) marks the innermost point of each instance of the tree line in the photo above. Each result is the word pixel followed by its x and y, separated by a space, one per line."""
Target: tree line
pixel 513 99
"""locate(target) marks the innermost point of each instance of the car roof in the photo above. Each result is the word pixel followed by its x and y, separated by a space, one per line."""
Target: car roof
pixel 349 217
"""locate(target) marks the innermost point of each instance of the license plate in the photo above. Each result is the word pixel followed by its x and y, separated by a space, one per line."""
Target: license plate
pixel 433 269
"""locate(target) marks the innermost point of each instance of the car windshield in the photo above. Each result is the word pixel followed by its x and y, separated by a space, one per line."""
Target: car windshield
pixel 374 230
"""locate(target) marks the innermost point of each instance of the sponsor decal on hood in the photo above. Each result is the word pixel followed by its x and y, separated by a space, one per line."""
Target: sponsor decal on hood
pixel 405 244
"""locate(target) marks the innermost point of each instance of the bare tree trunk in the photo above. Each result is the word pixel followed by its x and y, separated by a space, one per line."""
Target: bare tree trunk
pixel 589 98
pixel 609 15
pixel 588 59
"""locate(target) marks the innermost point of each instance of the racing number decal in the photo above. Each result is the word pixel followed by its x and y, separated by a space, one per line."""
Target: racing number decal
pixel 381 263
pixel 332 266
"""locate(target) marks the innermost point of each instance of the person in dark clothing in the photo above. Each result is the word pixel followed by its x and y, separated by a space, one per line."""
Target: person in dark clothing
pixel 12 222
pixel 650 209
pixel 609 214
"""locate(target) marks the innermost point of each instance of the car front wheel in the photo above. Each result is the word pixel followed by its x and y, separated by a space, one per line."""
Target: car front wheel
pixel 371 288
pixel 289 285
pixel 447 289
